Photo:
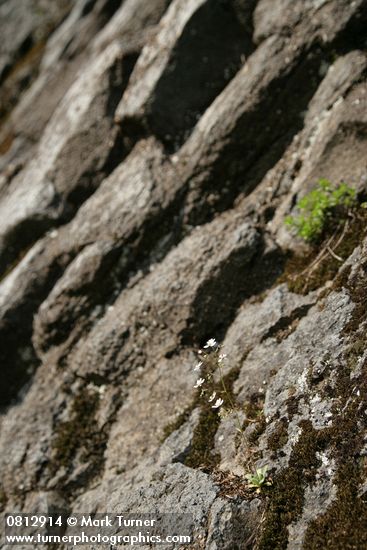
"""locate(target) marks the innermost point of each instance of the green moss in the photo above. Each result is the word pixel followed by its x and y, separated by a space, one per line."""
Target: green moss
pixel 285 503
pixel 80 438
pixel 344 526
pixel 254 408
pixel 302 280
pixel 279 437
pixel 292 404
pixel 282 507
pixel 201 454
pixel 355 352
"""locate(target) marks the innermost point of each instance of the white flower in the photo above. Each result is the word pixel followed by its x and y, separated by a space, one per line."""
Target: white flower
pixel 198 365
pixel 211 398
pixel 221 357
pixel 217 404
pixel 212 343
pixel 199 382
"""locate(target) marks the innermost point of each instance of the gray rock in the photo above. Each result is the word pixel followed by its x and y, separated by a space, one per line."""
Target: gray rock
pixel 125 247
pixel 164 99
pixel 60 168
pixel 231 524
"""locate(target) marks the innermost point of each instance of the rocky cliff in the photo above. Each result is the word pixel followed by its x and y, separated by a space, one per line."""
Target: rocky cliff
pixel 150 152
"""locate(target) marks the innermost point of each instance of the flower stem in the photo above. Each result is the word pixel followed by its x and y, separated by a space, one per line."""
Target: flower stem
pixel 229 398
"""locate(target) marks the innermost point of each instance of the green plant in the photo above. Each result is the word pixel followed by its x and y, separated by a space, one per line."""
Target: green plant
pixel 258 479
pixel 322 209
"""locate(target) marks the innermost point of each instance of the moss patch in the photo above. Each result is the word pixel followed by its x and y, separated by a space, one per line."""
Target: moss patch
pixel 292 404
pixel 285 503
pixel 279 437
pixel 344 526
pixel 80 439
pixel 201 454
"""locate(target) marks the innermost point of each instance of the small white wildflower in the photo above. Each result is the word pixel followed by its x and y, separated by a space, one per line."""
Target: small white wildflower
pixel 199 382
pixel 211 343
pixel 217 404
pixel 198 365
pixel 212 397
pixel 221 357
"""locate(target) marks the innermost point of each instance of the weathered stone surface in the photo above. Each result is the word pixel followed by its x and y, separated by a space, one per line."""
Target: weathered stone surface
pixel 149 312
pixel 24 27
pixel 32 20
pixel 160 94
pixel 231 523
pixel 61 170
pixel 88 30
pixel 146 171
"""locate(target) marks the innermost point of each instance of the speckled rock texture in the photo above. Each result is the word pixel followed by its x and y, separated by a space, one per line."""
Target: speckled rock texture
pixel 150 151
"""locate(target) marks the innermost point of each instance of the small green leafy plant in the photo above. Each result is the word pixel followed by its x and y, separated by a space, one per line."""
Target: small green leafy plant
pixel 258 479
pixel 322 209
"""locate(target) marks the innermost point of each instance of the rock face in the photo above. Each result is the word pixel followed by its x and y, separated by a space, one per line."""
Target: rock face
pixel 150 152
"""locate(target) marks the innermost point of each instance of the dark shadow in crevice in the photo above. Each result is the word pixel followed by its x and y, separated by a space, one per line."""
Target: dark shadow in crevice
pixel 18 359
pixel 219 298
pixel 207 55
pixel 260 138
